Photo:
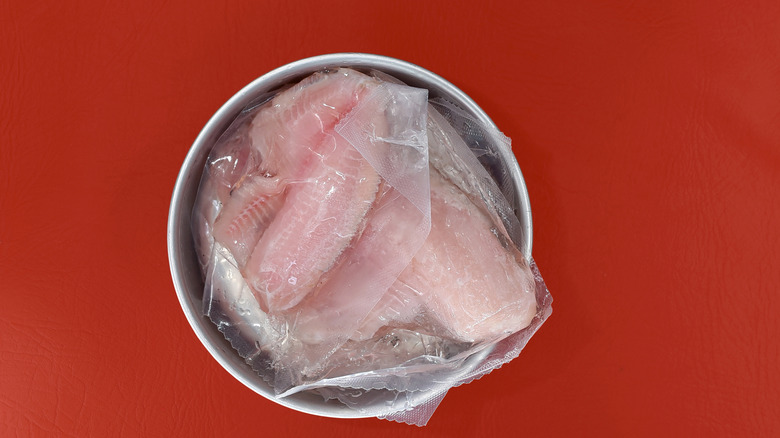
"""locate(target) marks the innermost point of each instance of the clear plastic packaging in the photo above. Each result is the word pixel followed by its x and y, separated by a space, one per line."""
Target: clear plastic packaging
pixel 354 245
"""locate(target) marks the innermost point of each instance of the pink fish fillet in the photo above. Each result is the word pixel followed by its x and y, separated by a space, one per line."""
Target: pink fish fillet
pixel 228 163
pixel 318 220
pixel 348 293
pixel 286 134
pixel 248 213
pixel 290 130
pixel 462 281
pixel 330 189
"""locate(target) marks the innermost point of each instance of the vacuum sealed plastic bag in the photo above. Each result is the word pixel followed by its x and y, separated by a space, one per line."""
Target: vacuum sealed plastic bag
pixel 354 245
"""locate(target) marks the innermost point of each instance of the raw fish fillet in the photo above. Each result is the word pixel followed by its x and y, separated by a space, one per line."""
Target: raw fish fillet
pixel 295 127
pixel 348 293
pixel 288 219
pixel 463 283
pixel 252 207
pixel 227 167
pixel 314 226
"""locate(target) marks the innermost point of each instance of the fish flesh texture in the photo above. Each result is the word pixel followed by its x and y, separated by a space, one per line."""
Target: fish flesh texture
pixel 463 278
pixel 463 283
pixel 318 220
pixel 290 217
pixel 468 282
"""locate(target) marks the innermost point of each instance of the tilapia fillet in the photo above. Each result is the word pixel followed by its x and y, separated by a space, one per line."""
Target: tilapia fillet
pixel 318 220
pixel 295 213
pixel 463 283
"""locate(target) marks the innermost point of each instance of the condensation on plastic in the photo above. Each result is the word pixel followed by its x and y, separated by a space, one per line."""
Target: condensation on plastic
pixel 395 373
pixel 463 134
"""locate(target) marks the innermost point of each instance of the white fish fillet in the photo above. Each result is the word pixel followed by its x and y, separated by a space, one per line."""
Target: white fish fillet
pixel 288 222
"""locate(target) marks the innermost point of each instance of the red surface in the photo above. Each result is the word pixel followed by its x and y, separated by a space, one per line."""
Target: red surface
pixel 649 137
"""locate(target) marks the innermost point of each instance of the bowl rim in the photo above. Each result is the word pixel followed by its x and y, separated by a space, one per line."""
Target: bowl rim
pixel 230 109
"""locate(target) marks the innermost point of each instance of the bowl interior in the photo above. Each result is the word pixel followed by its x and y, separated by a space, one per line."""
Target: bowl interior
pixel 184 265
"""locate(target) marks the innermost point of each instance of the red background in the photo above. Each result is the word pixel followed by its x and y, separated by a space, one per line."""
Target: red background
pixel 649 136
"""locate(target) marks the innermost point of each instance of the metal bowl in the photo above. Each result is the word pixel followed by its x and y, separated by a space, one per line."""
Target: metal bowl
pixel 185 268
